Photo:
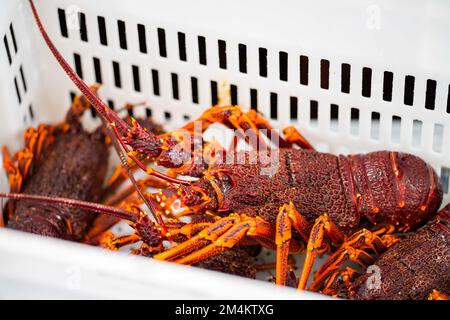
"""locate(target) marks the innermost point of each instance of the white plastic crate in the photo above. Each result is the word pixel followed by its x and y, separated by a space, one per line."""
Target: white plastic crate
pixel 353 76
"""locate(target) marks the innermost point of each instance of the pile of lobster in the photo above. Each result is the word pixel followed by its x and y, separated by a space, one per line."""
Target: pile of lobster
pixel 376 215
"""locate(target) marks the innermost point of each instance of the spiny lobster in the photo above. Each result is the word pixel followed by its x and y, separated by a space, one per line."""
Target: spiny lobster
pixel 314 198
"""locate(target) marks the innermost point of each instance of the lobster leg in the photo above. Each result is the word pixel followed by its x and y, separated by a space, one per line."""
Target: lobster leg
pixel 316 243
pixel 339 279
pixel 353 249
pixel 293 136
pixel 287 217
pixel 437 295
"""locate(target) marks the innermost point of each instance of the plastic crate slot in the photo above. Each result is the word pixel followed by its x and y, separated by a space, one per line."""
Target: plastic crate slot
pixel 136 78
pixel 78 67
pixel 130 112
pixel 8 53
pixel 222 47
pixel 162 42
pixel 116 71
pixel 293 105
pixel 283 59
pixel 388 78
pixel 155 82
pixel 175 93
pixel 409 90
pixel 186 118
pixel 83 29
pixel 438 137
pixel 242 49
pixel 214 93
pixel 254 99
pixel 62 23
pixel 324 74
pixel 97 70
pixel 72 96
pixel 201 50
pixel 93 112
pixel 262 54
pixel 396 129
pixel 375 125
pixel 31 112
pixel 313 112
pixel 13 37
pixel 273 106
pixel 334 117
pixel 148 112
pixel 19 97
pixel 194 89
pixel 22 77
pixel 366 82
pixel 142 38
pixel 304 70
pixel 110 103
pixel 430 95
pixel 122 34
pixel 417 133
pixel 354 121
pixel 445 179
pixel 345 78
pixel 448 99
pixel 182 46
pixel 234 95
pixel 167 115
pixel 102 30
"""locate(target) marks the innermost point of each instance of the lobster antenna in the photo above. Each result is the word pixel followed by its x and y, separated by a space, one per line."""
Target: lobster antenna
pixel 79 204
pixel 105 112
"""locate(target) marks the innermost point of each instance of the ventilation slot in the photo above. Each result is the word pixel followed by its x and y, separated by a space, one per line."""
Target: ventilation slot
pixel 83 29
pixel 202 50
pixel 345 78
pixel 122 34
pixel 324 74
pixel 222 46
pixel 31 112
pixel 19 98
pixel 142 38
pixel 116 71
pixel 262 62
pixel 175 93
pixel 254 99
pixel 448 99
pixel 136 78
pixel 78 68
pixel 430 94
pixel 334 117
pixel 313 112
pixel 234 95
pixel 375 126
pixel 445 180
pixel 417 133
pixel 366 82
pixel 409 90
pixel 162 42
pixel 194 88
pixel 273 106
pixel 283 57
pixel 8 53
pixel 242 58
pixel 62 23
pixel 438 137
pixel 13 38
pixel 155 80
pixel 388 78
pixel 214 97
pixel 167 115
pixel 354 121
pixel 22 77
pixel 97 70
pixel 396 129
pixel 293 103
pixel 304 66
pixel 182 46
pixel 102 30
